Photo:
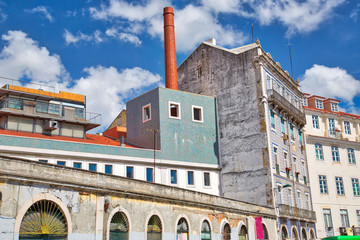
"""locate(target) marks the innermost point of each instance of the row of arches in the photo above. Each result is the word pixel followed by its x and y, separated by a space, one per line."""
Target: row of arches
pixel 295 235
pixel 45 219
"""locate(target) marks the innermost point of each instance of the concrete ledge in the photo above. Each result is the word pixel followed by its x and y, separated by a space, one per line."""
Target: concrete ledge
pixel 31 172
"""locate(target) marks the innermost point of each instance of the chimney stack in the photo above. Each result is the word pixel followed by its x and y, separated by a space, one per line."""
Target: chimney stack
pixel 171 80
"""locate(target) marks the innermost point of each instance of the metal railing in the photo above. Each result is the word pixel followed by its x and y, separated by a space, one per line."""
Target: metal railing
pixel 285 104
pixel 290 211
pixel 4 82
pixel 333 134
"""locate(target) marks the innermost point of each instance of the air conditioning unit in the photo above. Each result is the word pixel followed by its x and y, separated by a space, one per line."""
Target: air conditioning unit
pixel 50 125
pixel 285 136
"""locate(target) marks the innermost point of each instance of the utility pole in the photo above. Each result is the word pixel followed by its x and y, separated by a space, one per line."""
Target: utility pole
pixel 154 131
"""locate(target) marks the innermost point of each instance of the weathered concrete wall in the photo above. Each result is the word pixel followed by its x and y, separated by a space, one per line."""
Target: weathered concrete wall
pixel 236 83
pixel 82 195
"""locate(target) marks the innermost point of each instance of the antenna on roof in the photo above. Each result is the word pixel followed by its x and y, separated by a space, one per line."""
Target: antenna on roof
pixel 252 33
pixel 290 59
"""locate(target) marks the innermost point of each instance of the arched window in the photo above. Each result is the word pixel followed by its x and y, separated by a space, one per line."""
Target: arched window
pixel 266 233
pixel 182 229
pixel 226 232
pixel 154 228
pixel 294 234
pixel 243 233
pixel 205 231
pixel 284 233
pixel 312 234
pixel 303 234
pixel 119 227
pixel 44 219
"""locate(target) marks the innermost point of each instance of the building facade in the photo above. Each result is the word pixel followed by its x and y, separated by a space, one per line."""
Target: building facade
pixel 333 150
pixel 260 122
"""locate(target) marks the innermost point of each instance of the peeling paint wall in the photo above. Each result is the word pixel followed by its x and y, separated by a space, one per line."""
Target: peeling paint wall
pixel 236 82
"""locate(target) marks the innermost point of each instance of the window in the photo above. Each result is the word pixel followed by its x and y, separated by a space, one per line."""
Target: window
pixel 315 121
pixel 54 109
pixel 182 230
pixel 358 217
pixel 335 154
pixel 323 184
pixel 206 179
pixel 15 103
pixel 282 125
pixel 304 101
pixel 291 129
pixel 279 194
pixel 347 128
pixel 77 165
pixel 290 198
pixel 61 163
pixel 319 104
pixel 351 155
pixel 355 185
pixel 327 219
pixel 334 107
pixel 42 107
pixel 190 175
pixel 92 167
pixel 300 136
pixel 339 185
pixel 272 119
pixel 174 110
pixel 197 114
pixel 275 155
pixel 146 113
pixel 109 169
pixel 205 231
pixel 173 176
pixel 130 172
pixel 344 218
pixel 298 195
pixel 307 201
pixel 43 161
pixel 319 152
pixel 149 174
pixel 79 112
pixel 332 127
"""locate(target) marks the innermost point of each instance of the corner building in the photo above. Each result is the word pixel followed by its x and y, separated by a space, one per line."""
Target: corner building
pixel 260 121
pixel 333 151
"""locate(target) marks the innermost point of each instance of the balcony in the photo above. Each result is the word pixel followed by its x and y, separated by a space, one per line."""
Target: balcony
pixel 333 134
pixel 282 103
pixel 294 212
pixel 44 110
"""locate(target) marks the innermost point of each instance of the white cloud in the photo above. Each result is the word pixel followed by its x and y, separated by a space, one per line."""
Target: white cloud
pixel 203 21
pixel 330 82
pixel 355 13
pixel 106 88
pixel 227 6
pixel 23 57
pixel 73 39
pixel 123 36
pixel 298 16
pixel 43 10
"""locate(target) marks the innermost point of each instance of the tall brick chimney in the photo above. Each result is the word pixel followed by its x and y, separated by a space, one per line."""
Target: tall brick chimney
pixel 171 80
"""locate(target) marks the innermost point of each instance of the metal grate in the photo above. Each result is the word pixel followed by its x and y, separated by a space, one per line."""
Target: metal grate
pixel 154 224
pixel 44 218
pixel 119 227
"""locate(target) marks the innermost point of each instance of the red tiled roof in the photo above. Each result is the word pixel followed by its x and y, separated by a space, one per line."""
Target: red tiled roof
pixel 90 138
pixel 337 113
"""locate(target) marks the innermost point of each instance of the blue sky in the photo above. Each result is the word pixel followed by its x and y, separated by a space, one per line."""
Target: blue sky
pixel 112 51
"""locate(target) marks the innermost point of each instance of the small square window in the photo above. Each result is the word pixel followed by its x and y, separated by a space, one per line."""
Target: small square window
pixel 174 110
pixel 61 163
pixel 206 179
pixel 92 167
pixel 173 176
pixel 77 165
pixel 109 169
pixel 130 172
pixel 197 114
pixel 190 177
pixel 146 112
pixel 44 161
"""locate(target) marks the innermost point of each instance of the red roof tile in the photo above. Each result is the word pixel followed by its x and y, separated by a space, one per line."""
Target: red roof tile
pixel 90 138
pixel 337 113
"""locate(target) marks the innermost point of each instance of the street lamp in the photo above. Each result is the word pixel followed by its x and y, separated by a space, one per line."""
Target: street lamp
pixel 154 131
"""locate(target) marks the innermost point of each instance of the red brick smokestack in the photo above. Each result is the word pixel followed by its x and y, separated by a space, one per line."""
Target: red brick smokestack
pixel 171 80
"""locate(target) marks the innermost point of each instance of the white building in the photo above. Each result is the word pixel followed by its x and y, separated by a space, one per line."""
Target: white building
pixel 333 153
